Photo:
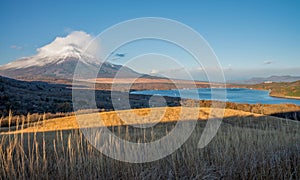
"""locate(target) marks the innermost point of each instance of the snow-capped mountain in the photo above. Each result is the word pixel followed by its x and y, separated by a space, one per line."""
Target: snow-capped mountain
pixel 59 59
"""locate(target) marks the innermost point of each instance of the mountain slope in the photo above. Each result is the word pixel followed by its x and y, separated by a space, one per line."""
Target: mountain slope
pixel 63 70
pixel 58 60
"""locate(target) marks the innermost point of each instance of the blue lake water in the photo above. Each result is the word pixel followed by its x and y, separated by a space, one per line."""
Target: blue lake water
pixel 238 95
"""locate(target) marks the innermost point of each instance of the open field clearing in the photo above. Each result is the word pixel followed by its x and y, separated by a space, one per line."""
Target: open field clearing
pixel 141 83
pixel 247 146
pixel 145 80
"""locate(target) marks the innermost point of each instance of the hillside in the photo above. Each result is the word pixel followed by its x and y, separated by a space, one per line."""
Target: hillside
pixel 280 89
pixel 22 97
pixel 33 97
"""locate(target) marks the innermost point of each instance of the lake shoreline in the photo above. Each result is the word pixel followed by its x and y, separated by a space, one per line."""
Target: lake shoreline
pixel 284 97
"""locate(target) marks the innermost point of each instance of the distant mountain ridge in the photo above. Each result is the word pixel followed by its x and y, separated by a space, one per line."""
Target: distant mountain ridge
pixel 258 80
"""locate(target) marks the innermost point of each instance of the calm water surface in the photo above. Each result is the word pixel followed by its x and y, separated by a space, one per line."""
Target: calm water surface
pixel 239 95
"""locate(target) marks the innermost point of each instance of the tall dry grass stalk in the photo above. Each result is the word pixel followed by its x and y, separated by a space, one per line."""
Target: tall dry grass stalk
pixel 244 148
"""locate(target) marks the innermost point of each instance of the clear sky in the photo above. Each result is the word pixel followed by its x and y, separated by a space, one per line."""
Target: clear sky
pixel 247 36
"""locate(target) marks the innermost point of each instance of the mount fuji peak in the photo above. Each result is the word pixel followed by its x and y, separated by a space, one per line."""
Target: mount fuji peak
pixel 62 49
pixel 58 60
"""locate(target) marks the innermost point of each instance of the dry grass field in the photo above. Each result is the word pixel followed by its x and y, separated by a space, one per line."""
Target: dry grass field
pixel 134 116
pixel 247 146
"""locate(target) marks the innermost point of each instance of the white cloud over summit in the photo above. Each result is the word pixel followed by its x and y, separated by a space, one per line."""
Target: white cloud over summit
pixel 75 42
pixel 78 44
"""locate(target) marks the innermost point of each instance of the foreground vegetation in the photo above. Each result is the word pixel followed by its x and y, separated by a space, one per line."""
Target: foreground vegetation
pixel 245 147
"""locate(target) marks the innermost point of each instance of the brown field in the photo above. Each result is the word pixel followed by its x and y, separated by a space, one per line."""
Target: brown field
pixel 247 146
pixel 142 83
pixel 145 80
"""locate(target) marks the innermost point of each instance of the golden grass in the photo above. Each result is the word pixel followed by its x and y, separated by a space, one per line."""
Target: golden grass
pixel 134 116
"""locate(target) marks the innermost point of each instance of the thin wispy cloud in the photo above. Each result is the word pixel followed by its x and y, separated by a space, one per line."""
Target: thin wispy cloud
pixel 154 71
pixel 16 47
pixel 68 30
pixel 268 62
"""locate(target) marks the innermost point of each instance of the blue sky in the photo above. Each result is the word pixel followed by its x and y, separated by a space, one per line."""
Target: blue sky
pixel 247 36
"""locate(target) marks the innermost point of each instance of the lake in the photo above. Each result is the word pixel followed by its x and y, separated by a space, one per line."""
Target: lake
pixel 238 95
